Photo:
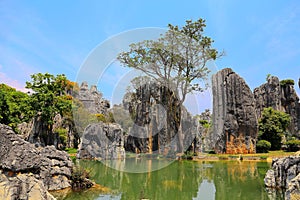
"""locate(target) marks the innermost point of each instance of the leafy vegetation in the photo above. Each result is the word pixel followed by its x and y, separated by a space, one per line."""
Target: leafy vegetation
pixel 287 82
pixel 268 76
pixel 272 126
pixel 293 145
pixel 205 123
pixel 79 178
pixel 14 106
pixel 263 146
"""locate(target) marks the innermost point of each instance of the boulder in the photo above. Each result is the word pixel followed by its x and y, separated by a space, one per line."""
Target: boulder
pixel 235 125
pixel 47 164
pixel 102 141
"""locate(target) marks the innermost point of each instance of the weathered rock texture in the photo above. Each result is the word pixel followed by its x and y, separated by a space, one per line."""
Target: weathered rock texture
pixel 22 187
pixel 234 116
pixel 157 116
pixel 36 131
pixel 102 141
pixel 92 99
pixel 47 165
pixel 279 97
pixel 285 174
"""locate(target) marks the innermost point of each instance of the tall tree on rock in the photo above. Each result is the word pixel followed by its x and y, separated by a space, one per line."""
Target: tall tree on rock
pixel 176 60
pixel 48 100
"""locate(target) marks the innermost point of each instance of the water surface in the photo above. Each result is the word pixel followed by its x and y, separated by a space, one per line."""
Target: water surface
pixel 182 180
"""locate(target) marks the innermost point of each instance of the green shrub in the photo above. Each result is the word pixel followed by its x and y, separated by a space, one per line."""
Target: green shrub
pixel 293 145
pixel 80 178
pixel 287 82
pixel 263 146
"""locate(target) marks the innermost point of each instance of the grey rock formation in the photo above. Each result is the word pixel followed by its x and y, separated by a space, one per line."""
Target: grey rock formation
pixel 48 165
pixel 92 99
pixel 102 141
pixel 23 187
pixel 279 97
pixel 234 117
pixel 285 174
pixel 157 117
pixel 34 132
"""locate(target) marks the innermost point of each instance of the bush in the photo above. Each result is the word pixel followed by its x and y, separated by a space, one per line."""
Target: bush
pixel 263 146
pixel 80 179
pixel 287 82
pixel 293 145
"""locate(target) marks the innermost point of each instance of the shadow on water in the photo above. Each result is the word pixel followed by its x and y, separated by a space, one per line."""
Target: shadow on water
pixel 184 180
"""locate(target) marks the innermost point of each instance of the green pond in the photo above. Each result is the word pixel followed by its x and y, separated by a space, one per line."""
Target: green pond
pixel 180 180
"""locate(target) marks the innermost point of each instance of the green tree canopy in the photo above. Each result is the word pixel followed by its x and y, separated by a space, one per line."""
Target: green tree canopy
pixel 272 125
pixel 14 106
pixel 177 59
pixel 48 98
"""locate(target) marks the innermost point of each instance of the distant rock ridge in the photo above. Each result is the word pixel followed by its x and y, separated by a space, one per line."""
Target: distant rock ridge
pixel 235 125
pixel 279 97
pixel 92 99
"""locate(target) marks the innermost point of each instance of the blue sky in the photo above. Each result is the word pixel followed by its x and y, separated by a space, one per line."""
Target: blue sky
pixel 259 37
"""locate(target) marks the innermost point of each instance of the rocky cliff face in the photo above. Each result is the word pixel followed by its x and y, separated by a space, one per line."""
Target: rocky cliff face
pixel 32 132
pixel 234 116
pixel 279 97
pixel 157 117
pixel 22 161
pixel 285 174
pixel 102 141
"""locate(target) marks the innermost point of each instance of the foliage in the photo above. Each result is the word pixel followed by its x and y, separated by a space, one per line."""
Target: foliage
pixel 178 58
pixel 287 82
pixel 109 118
pixel 62 134
pixel 71 150
pixel 100 117
pixel 293 145
pixel 49 97
pixel 268 76
pixel 79 178
pixel 263 146
pixel 14 106
pixel 205 123
pixel 272 125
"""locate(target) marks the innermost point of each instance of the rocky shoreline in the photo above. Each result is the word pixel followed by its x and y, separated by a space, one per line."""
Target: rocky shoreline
pixel 284 175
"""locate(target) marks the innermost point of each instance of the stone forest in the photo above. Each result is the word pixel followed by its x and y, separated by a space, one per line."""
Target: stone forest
pixel 37 163
pixel 64 140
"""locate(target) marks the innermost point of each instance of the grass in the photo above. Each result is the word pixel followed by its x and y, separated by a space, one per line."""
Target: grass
pixel 256 156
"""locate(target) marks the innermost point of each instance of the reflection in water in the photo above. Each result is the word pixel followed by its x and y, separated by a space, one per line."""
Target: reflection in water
pixel 206 191
pixel 184 180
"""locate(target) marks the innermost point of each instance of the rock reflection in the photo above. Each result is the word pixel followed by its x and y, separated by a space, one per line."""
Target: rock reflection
pixel 184 180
